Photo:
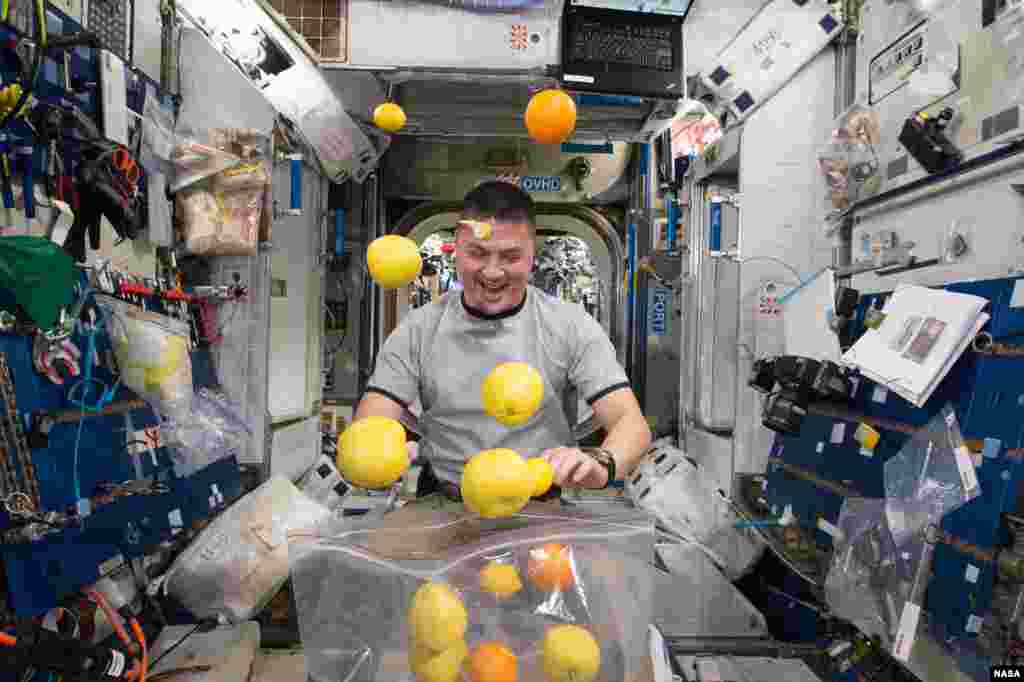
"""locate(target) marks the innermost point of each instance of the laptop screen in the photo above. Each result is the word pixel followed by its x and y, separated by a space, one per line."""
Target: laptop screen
pixel 666 7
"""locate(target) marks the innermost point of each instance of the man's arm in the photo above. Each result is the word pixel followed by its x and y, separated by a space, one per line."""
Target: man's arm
pixel 627 439
pixel 376 404
pixel 597 373
pixel 628 435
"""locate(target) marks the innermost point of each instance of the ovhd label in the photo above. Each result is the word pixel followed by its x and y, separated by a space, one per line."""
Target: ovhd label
pixel 541 183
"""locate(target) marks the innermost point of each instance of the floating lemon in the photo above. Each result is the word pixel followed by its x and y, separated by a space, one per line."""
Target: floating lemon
pixel 393 261
pixel 372 452
pixel 389 116
pixel 512 393
pixel 496 483
pixel 543 475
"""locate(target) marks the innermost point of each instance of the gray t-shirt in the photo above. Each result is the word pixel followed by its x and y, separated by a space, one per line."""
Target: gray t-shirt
pixel 441 353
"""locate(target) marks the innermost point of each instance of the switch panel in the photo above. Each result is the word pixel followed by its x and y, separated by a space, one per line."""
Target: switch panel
pixel 891 69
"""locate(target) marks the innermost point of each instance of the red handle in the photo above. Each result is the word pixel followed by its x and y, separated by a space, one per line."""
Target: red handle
pixel 139 290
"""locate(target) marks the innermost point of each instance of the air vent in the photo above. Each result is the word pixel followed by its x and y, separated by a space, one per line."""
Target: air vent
pixel 322 23
pixel 719 76
pixel 1001 123
pixel 897 168
pixel 744 101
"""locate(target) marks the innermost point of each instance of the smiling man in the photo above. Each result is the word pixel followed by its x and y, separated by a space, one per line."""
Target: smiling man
pixel 441 353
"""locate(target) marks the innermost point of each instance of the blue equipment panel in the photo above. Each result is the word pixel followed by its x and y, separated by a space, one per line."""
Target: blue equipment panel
pixel 81 71
pixel 41 573
pixel 987 394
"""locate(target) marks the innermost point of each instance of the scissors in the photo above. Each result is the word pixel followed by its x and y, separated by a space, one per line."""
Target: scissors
pixel 126 165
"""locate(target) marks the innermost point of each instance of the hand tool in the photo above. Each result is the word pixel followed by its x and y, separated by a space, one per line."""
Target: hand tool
pixel 42 422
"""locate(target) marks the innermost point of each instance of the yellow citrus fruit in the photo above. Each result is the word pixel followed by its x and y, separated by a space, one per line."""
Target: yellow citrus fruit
pixel 481 230
pixel 437 617
pixel 372 452
pixel 393 261
pixel 512 393
pixel 389 116
pixel 501 580
pixel 493 662
pixel 431 666
pixel 496 483
pixel 543 475
pixel 550 117
pixel 570 654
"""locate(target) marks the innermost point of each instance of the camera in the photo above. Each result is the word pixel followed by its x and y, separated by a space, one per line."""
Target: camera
pixel 800 380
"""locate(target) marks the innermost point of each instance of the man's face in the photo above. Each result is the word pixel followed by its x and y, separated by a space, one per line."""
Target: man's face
pixel 495 271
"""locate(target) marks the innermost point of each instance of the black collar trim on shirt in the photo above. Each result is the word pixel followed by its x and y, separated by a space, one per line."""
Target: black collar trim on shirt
pixel 496 316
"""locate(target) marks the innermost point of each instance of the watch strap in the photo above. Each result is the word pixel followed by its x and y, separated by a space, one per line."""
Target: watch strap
pixel 605 459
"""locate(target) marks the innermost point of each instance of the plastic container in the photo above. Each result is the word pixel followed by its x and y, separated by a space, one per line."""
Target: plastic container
pixel 514 581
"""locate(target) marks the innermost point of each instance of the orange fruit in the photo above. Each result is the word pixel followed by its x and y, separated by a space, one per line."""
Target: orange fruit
pixel 493 662
pixel 550 117
pixel 550 568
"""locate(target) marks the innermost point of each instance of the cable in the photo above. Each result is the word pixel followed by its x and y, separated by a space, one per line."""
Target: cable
pixel 78 441
pixel 141 636
pixel 796 273
pixel 181 641
pixel 37 64
pixel 113 617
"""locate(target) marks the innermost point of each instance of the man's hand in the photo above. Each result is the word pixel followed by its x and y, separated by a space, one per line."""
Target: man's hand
pixel 573 469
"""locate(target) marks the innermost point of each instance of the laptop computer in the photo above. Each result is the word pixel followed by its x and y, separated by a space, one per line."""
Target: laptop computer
pixel 624 47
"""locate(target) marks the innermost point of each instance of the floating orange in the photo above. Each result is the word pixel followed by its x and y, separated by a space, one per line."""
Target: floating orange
pixel 550 117
pixel 550 568
pixel 493 662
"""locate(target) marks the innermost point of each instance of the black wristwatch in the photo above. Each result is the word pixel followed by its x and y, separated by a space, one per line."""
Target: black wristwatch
pixel 605 459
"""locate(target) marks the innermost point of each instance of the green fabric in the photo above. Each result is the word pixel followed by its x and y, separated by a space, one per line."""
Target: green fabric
pixel 39 274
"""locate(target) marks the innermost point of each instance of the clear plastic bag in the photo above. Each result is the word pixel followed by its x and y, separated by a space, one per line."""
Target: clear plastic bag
pixel 932 475
pixel 220 223
pixel 240 561
pixel 849 162
pixel 211 430
pixel 152 354
pixel 876 585
pixel 200 155
pixel 376 598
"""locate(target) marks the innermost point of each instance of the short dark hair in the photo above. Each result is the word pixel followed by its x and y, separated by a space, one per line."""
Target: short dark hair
pixel 501 201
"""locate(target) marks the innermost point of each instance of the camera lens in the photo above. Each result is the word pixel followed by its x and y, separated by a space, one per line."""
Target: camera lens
pixel 784 413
